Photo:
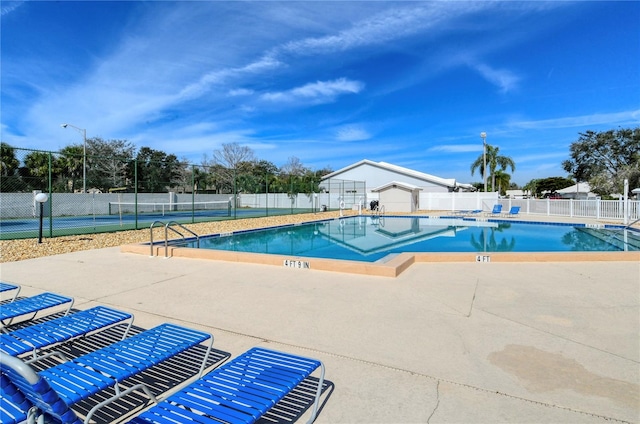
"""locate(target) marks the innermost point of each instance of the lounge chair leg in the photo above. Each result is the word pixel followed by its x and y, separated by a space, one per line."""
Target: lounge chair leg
pixel 119 394
pixel 312 418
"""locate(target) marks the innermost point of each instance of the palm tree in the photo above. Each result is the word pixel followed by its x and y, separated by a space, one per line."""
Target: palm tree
pixel 71 163
pixel 494 159
pixel 502 179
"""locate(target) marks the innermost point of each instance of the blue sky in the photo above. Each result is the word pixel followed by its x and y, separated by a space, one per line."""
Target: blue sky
pixel 331 83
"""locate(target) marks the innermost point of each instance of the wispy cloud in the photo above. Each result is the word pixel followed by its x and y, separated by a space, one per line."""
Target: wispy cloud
pixel 9 6
pixel 616 118
pixel 222 76
pixel 317 92
pixel 352 133
pixel 554 158
pixel 237 92
pixel 456 148
pixel 382 27
pixel 504 79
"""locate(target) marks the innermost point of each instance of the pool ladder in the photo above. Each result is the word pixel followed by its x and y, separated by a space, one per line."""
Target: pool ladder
pixel 378 211
pixel 167 227
pixel 377 218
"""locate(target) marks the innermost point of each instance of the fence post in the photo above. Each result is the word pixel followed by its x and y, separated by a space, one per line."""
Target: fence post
pixel 50 190
pixel 548 206
pixel 193 194
pixel 571 208
pixel 135 192
pixel 625 207
pixel 598 206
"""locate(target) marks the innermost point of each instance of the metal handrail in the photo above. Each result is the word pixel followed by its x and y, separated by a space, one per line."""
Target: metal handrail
pixel 168 227
pixel 379 210
pixel 151 234
pixel 629 226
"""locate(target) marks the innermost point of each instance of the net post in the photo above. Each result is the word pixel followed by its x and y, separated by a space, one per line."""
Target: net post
pixel 193 194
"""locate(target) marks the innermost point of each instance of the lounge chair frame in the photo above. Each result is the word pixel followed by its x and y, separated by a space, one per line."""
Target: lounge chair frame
pixel 4 287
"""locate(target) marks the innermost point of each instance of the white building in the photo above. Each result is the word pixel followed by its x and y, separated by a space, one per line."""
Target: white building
pixel 580 191
pixel 397 188
pixel 377 174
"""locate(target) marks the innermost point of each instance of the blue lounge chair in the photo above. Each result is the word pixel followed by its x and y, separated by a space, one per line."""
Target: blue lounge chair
pixel 496 210
pixel 4 287
pixel 53 392
pixel 32 305
pixel 515 210
pixel 240 391
pixel 48 333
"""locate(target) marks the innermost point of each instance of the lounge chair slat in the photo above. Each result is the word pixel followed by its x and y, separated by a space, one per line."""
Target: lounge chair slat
pixel 240 391
pixel 13 404
pixel 61 329
pixel 33 305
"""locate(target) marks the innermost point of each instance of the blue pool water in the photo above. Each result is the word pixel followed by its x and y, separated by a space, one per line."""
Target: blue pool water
pixel 370 239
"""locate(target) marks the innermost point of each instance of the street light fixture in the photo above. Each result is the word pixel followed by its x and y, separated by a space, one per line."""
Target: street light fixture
pixel 84 154
pixel 483 135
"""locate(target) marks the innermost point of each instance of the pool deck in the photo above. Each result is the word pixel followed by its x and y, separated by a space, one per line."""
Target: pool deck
pixel 464 342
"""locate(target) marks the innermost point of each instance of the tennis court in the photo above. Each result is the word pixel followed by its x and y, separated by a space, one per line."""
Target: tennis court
pixel 123 217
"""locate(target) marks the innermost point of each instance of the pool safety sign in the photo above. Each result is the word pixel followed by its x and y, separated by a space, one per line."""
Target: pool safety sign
pixel 483 258
pixel 292 263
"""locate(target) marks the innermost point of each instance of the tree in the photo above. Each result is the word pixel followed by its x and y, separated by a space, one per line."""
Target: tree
pixel 8 161
pixel 228 159
pixel 71 163
pixel 36 170
pixel 157 171
pixel 293 167
pixel 494 160
pixel 550 185
pixel 109 162
pixel 503 180
pixel 9 164
pixel 605 159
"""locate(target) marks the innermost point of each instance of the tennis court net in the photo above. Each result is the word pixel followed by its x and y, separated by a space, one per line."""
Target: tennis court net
pixel 210 208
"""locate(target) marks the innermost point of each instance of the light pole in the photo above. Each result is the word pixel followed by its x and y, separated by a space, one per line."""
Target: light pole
pixel 84 154
pixel 483 135
pixel 41 198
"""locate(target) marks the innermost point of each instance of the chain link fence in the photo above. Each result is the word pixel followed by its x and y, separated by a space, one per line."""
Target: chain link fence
pixel 92 194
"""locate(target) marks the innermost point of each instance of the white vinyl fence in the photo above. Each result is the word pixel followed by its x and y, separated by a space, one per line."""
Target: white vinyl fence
pixel 592 208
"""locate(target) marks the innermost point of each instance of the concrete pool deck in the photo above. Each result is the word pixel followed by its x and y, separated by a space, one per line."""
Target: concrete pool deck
pixel 553 342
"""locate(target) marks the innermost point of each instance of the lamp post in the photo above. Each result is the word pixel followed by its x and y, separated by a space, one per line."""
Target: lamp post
pixel 84 154
pixel 483 135
pixel 41 198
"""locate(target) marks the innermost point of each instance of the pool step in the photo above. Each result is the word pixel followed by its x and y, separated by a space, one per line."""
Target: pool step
pixel 615 237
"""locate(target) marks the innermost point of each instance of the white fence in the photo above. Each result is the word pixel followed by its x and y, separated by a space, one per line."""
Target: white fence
pixel 593 208
pixel 15 205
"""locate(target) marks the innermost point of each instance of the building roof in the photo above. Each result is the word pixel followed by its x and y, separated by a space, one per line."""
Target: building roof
pixel 396 184
pixel 447 182
pixel 576 188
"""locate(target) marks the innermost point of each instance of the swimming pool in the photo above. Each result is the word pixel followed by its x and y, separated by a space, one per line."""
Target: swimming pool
pixel 378 239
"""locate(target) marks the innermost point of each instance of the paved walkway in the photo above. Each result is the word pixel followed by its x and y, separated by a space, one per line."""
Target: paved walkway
pixel 441 343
